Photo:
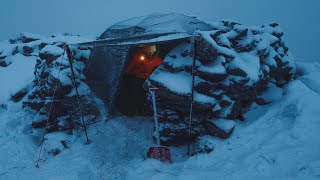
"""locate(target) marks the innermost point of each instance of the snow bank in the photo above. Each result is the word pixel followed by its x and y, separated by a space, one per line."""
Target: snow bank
pixel 18 75
pixel 278 141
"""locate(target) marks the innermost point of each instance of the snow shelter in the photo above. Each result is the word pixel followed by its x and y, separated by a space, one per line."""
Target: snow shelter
pixel 115 47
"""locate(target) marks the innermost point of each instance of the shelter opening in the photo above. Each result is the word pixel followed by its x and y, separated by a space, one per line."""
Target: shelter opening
pixel 142 61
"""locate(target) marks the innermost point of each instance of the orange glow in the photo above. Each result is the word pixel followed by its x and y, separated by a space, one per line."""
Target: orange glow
pixel 142 58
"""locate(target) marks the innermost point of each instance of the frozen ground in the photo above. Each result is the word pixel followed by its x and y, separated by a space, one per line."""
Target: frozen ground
pixel 277 141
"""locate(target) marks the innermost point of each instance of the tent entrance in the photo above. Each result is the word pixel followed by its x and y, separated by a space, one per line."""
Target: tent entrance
pixel 142 60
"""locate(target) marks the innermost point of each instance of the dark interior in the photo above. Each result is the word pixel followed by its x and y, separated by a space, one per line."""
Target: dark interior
pixel 132 98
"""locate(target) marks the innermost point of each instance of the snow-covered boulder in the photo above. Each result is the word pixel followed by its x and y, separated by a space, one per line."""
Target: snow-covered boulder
pixel 221 128
pixel 50 53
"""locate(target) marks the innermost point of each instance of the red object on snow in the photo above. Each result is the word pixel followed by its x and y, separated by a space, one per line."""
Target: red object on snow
pixel 153 89
pixel 160 153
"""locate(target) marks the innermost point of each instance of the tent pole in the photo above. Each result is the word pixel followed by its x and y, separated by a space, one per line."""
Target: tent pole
pixel 49 114
pixel 70 58
pixel 192 91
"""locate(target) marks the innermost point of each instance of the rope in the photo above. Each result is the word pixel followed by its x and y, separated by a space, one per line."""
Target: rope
pixel 47 122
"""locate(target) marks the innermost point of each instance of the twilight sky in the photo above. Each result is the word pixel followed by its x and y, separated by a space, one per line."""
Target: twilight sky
pixel 299 19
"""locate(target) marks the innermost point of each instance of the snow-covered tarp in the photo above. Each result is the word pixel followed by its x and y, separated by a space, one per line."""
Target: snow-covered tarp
pixel 106 65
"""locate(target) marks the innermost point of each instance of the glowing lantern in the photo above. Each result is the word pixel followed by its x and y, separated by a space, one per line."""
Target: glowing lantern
pixel 142 58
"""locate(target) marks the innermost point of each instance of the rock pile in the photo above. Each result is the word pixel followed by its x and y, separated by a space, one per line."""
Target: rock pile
pixel 52 90
pixel 235 66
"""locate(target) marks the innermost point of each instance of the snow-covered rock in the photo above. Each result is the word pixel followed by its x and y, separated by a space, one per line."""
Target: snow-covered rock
pixel 50 53
pixel 235 65
pixel 51 77
pixel 54 77
pixel 221 128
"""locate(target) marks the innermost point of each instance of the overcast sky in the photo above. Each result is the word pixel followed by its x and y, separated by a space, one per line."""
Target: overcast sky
pixel 298 18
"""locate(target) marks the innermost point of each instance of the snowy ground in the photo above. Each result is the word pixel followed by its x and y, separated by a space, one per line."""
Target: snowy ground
pixel 277 141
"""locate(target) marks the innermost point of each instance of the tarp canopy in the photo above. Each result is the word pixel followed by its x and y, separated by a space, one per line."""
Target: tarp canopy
pixel 109 57
pixel 155 24
pixel 137 40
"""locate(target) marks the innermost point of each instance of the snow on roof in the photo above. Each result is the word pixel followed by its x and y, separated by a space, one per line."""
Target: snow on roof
pixel 156 23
